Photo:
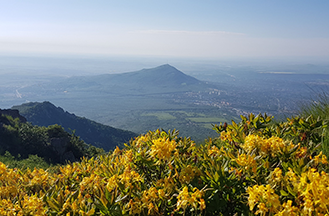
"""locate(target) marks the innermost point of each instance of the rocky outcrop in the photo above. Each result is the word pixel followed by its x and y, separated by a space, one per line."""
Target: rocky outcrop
pixel 13 113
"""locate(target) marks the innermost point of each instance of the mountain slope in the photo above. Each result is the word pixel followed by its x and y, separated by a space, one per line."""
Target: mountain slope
pixel 21 140
pixel 45 114
pixel 164 75
pixel 162 79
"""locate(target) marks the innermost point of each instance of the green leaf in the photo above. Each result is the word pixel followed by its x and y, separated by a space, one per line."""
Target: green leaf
pixel 216 177
pixel 291 191
pixel 284 193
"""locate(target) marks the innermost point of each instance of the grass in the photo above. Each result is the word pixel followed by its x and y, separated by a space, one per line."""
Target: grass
pixel 208 119
pixel 319 107
pixel 191 114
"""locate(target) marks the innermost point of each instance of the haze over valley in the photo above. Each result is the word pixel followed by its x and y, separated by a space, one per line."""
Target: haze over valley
pixel 142 65
pixel 162 96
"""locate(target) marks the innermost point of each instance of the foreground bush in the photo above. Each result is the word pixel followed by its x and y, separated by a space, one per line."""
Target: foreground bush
pixel 253 168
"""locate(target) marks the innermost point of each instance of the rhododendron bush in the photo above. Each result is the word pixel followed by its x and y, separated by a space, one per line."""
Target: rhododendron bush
pixel 254 167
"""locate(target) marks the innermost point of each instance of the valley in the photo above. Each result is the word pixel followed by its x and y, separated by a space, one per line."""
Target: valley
pixel 168 98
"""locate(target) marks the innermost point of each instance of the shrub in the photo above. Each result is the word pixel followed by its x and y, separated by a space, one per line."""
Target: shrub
pixel 253 168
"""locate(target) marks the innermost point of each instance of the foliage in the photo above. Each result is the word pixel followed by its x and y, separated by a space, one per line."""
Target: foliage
pixel 254 167
pixel 33 161
pixel 319 108
pixel 23 139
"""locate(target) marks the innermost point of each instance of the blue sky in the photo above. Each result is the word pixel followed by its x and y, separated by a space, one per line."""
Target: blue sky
pixel 180 28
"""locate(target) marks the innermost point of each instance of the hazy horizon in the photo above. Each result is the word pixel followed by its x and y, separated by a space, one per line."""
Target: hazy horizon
pixel 167 29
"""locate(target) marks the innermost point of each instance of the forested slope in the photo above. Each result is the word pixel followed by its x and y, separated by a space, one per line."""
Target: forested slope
pixel 51 143
pixel 96 134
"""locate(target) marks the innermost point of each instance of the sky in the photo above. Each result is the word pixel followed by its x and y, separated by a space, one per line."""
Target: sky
pixel 175 28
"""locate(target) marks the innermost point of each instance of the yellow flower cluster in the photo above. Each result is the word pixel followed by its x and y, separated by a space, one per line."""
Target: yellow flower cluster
pixel 148 201
pixel 276 176
pixel 320 158
pixel 162 148
pixel 264 197
pixel 186 198
pixel 301 152
pixel 214 151
pixel 227 136
pixel 167 186
pixel 188 173
pixel 273 145
pixel 21 192
pixel 159 174
pixel 247 162
pixel 28 205
pixel 288 209
pixel 311 190
pixel 314 188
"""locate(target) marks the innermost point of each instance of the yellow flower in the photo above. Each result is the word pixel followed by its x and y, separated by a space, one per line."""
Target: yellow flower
pixel 167 185
pixel 253 142
pixel 261 209
pixel 276 175
pixel 214 151
pixel 226 136
pixel 134 207
pixel 247 162
pixel 185 199
pixel 288 209
pixel 265 198
pixel 112 183
pixel 202 204
pixel 188 173
pixel 308 207
pixel 128 178
pixel 161 193
pixel 162 148
pixel 272 146
pixel 32 205
pixel 302 151
pixel 117 151
pixel 320 158
pixel 141 140
pixel 3 168
pixel 291 177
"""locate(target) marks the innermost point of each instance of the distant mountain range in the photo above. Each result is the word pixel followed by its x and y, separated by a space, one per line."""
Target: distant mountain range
pixel 99 135
pixel 160 97
pixel 162 79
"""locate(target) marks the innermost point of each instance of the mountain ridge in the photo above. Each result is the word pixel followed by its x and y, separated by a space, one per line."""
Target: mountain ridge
pixel 164 78
pixel 163 74
pixel 99 135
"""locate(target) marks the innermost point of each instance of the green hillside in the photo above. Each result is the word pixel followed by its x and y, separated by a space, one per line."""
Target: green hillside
pixel 52 144
pixel 96 134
